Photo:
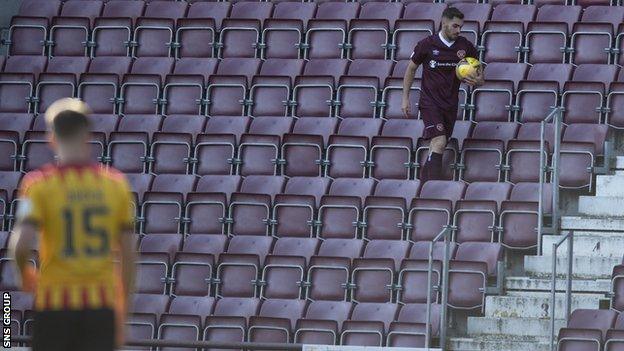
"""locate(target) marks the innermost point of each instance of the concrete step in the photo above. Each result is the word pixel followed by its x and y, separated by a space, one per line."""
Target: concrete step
pixel 590 223
pixel 599 286
pixel 601 206
pixel 619 162
pixel 583 267
pixel 523 327
pixel 468 344
pixel 608 185
pixel 535 304
pixel 591 244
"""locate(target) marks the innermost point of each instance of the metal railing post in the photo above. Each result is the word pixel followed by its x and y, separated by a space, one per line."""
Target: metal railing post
pixel 445 278
pixel 428 323
pixel 569 279
pixel 542 176
pixel 555 174
pixel 553 283
pixel 443 233
pixel 543 169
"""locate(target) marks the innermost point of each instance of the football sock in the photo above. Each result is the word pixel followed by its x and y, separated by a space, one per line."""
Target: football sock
pixel 424 172
pixel 434 166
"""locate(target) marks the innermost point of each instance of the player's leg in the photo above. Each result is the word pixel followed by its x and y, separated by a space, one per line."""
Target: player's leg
pixel 438 149
pixel 434 161
pixel 435 131
pixel 52 331
pixel 97 330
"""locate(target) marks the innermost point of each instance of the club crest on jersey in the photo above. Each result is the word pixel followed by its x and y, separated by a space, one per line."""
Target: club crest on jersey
pixel 461 54
pixel 440 127
pixel 435 52
pixel 433 63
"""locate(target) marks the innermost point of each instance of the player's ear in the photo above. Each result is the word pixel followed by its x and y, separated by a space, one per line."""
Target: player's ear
pixel 87 136
pixel 52 140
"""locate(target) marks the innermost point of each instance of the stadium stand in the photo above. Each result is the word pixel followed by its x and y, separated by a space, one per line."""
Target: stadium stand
pixel 276 180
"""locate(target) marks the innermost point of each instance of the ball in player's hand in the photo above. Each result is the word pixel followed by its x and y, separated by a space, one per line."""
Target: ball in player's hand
pixel 467 67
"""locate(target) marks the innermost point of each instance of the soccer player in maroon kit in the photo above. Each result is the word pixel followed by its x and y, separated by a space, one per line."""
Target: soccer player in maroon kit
pixel 439 54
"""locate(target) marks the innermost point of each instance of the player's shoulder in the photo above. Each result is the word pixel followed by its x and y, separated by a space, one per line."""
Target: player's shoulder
pixel 464 41
pixel 427 40
pixel 39 176
pixel 113 175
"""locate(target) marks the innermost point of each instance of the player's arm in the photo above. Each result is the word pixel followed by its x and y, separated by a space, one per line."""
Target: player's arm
pixel 408 80
pixel 127 258
pixel 480 78
pixel 123 305
pixel 127 261
pixel 23 240
pixel 125 225
pixel 477 79
pixel 25 236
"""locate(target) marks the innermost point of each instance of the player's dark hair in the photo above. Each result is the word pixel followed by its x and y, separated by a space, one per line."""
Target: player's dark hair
pixel 67 124
pixel 452 12
pixel 67 118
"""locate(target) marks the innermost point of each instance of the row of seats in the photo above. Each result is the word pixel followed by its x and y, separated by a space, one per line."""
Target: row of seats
pixel 348 209
pixel 513 33
pixel 332 275
pixel 187 318
pixel 357 147
pixel 292 87
pixel 593 330
pixel 480 12
pixel 162 27
pixel 617 288
pixel 55 7
pixel 552 42
pixel 385 272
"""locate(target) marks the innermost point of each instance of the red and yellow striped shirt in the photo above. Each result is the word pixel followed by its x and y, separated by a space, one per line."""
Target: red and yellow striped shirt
pixel 80 210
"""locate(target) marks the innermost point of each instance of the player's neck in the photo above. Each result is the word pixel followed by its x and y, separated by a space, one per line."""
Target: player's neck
pixel 444 39
pixel 72 156
pixel 77 160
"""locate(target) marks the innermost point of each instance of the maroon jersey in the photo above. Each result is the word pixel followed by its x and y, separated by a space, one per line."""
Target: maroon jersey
pixel 440 86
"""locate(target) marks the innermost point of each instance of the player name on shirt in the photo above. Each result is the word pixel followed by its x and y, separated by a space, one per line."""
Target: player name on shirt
pixel 85 196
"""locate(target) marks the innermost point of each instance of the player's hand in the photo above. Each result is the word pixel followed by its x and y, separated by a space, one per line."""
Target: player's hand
pixel 121 311
pixel 471 79
pixel 120 325
pixel 29 279
pixel 405 107
pixel 474 79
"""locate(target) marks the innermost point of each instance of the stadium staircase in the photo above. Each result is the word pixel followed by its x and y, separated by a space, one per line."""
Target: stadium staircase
pixel 519 319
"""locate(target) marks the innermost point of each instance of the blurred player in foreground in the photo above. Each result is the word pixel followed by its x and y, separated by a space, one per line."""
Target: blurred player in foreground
pixel 79 216
pixel 439 54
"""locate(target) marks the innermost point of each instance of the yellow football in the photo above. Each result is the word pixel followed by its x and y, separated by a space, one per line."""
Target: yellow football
pixel 466 67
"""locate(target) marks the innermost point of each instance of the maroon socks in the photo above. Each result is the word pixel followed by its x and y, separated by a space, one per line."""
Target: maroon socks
pixel 432 169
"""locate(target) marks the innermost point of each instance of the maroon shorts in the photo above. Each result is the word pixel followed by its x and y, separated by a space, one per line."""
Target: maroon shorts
pixel 437 122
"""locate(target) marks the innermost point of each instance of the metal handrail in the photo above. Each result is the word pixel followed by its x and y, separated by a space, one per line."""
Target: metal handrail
pixel 570 238
pixel 445 268
pixel 556 116
pixel 570 251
